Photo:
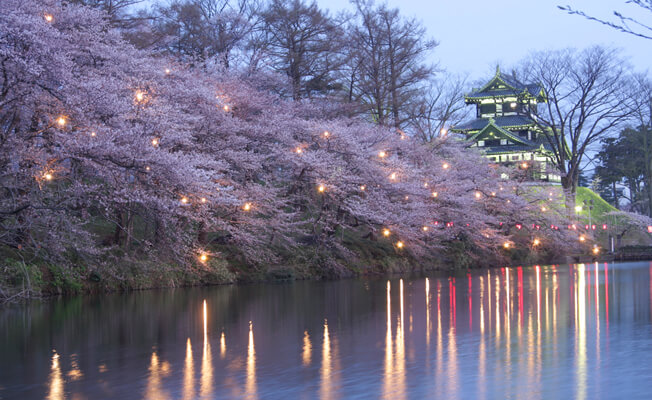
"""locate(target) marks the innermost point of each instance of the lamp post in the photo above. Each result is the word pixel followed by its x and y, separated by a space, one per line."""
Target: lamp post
pixel 590 204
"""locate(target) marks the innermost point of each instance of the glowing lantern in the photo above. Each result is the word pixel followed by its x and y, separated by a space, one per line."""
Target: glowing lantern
pixel 167 71
pixel 407 197
pixel 596 250
pixel 400 244
pixel 582 238
pixel 48 176
pixel 393 176
pixel 203 257
pixel 543 209
pixel 326 134
pixel 382 154
pixel 425 228
pixel 506 245
pixel 443 131
pixel 184 200
pixel 48 17
pixel 61 121
pixel 203 199
pixel 246 206
pixel 445 166
pixel 536 242
pixel 155 142
pixel 434 194
pixel 649 228
pixel 519 226
pixel 593 227
pixel 493 194
pixel 226 108
pixel 478 195
pixel 524 165
pixel 362 187
pixel 386 232
pixel 425 184
pixel 140 96
pixel 321 188
pixel 298 150
pixel 147 168
pixel 93 134
pixel 604 227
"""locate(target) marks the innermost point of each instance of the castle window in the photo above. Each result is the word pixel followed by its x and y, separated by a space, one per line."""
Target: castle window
pixel 514 158
pixel 480 143
pixel 487 109
pixel 503 142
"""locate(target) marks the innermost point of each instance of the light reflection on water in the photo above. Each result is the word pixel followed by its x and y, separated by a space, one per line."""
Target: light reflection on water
pixel 582 332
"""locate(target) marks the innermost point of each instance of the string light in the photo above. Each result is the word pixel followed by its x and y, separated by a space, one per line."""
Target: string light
pixel 524 165
pixel 400 244
pixel 203 199
pixel 506 245
pixel 493 194
pixel 326 134
pixel 407 197
pixel 226 108
pixel 184 200
pixel 362 187
pixel 434 194
pixel 167 71
pixel 48 176
pixel 596 250
pixel 393 176
pixel 203 257
pixel 48 17
pixel 382 154
pixel 425 228
pixel 147 168
pixel 298 150
pixel 246 206
pixel 543 209
pixel 155 142
pixel 321 188
pixel 93 134
pixel 536 242
pixel 445 166
pixel 61 121
pixel 386 232
pixel 582 238
pixel 478 195
pixel 425 184
pixel 140 96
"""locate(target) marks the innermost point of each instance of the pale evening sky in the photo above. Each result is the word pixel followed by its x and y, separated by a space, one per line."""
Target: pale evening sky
pixel 474 35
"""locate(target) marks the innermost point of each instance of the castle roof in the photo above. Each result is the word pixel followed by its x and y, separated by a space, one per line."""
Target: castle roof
pixel 509 121
pixel 503 86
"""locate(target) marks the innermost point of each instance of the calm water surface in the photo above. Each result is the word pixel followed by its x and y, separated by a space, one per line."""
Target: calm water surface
pixel 582 331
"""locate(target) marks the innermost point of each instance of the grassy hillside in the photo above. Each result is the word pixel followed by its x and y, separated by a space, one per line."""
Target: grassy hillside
pixel 600 206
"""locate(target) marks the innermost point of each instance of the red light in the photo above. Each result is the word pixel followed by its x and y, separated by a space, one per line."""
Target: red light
pixel 649 228
pixel 519 226
pixel 586 227
pixel 604 227
pixel 593 227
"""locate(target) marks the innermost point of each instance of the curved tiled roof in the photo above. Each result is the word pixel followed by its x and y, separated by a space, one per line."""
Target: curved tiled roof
pixel 503 122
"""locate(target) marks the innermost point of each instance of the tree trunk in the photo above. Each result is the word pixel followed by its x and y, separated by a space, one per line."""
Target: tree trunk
pixel 569 187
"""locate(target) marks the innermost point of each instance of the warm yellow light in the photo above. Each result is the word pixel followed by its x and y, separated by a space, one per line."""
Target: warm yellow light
pixel 392 176
pixel 147 168
pixel 582 238
pixel 443 131
pixel 407 197
pixel 226 108
pixel 506 245
pixel 386 232
pixel 536 242
pixel 298 150
pixel 321 188
pixel 203 257
pixel 203 199
pixel 167 71
pixel 362 187
pixel 596 250
pixel 425 228
pixel 425 184
pixel 513 105
pixel 543 209
pixel 155 142
pixel 48 17
pixel 400 244
pixel 493 194
pixel 578 208
pixel 434 194
pixel 382 154
pixel 184 200
pixel 478 195
pixel 246 206
pixel 139 96
pixel 93 134
pixel 445 166
pixel 524 165
pixel 327 134
pixel 61 121
pixel 48 177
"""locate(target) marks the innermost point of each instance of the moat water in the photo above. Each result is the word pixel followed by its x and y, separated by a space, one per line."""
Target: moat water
pixel 581 331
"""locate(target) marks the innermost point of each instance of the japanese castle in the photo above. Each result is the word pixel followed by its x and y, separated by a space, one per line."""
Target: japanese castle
pixel 503 130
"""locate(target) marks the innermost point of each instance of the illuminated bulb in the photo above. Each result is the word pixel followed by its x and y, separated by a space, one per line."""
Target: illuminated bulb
pixel 506 245
pixel 425 228
pixel 154 142
pixel 425 184
pixel 226 108
pixel 382 154
pixel 596 250
pixel 536 242
pixel 147 168
pixel 582 238
pixel 513 105
pixel 61 121
pixel 445 166
pixel 434 194
pixel 493 194
pixel 524 165
pixel 247 206
pixel 184 200
pixel 386 232
pixel 203 257
pixel 400 244
pixel 48 177
pixel 48 17
pixel 407 197
pixel 167 71
pixel 93 134
pixel 327 133
pixel 321 188
pixel 298 150
pixel 362 187
pixel 578 208
pixel 478 195
pixel 392 176
pixel 443 131
pixel 543 209
pixel 203 199
pixel 140 96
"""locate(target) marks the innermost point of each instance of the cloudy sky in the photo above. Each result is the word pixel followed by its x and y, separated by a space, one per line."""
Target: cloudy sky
pixel 475 35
